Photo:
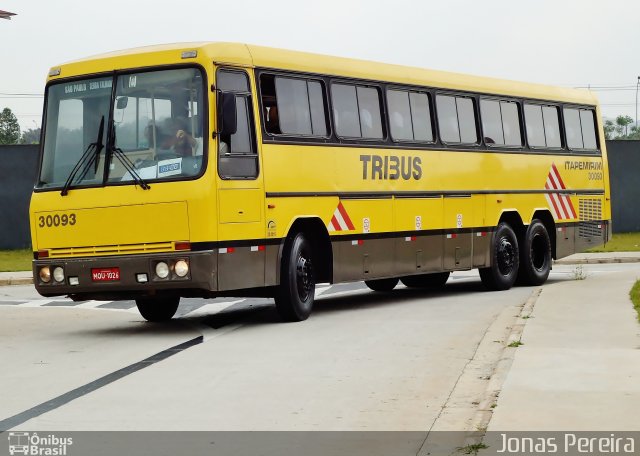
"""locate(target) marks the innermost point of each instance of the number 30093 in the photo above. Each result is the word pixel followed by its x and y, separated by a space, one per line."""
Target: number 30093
pixel 50 221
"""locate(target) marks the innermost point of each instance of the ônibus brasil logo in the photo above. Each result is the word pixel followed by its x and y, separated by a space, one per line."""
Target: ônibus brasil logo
pixel 32 444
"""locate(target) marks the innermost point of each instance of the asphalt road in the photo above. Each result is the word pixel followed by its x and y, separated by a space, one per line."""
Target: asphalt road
pixel 363 361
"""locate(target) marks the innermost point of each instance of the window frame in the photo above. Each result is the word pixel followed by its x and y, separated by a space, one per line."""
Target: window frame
pixel 355 83
pixel 520 109
pixel 251 119
pixel 306 78
pixel 114 75
pixel 410 90
pixel 476 117
pixel 598 149
pixel 561 132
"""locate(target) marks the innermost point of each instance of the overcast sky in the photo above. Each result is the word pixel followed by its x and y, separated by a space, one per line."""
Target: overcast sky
pixel 560 42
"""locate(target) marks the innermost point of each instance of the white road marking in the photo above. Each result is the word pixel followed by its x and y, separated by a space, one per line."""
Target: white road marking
pixel 321 290
pixel 91 304
pixel 213 308
pixel 36 303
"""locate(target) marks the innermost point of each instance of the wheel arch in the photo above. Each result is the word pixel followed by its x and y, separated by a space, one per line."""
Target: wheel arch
pixel 513 218
pixel 318 236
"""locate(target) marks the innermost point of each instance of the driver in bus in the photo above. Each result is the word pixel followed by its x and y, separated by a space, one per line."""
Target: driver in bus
pixel 181 141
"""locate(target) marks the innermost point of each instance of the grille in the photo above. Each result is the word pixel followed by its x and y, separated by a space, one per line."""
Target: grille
pixel 590 224
pixel 104 250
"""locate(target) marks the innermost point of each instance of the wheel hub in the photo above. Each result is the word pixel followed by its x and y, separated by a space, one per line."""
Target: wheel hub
pixel 304 273
pixel 506 256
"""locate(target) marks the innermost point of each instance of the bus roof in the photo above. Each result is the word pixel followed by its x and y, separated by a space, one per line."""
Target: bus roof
pixel 265 57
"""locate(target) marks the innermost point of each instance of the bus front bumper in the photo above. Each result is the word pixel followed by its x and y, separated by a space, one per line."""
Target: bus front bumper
pixel 119 277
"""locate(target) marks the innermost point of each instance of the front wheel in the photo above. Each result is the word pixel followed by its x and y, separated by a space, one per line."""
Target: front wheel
pixel 502 273
pixel 535 255
pixel 158 309
pixel 294 296
pixel 435 280
pixel 381 284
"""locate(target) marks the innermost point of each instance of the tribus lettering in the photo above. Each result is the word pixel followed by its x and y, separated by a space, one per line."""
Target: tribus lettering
pixel 390 167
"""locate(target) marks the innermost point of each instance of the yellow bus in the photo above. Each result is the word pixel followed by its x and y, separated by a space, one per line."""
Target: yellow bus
pixel 221 169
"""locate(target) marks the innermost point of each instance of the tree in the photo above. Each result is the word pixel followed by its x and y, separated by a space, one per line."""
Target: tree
pixel 609 129
pixel 623 123
pixel 30 136
pixel 9 127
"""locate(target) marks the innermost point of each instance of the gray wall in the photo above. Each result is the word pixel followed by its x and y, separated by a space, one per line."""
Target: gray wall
pixel 18 167
pixel 624 174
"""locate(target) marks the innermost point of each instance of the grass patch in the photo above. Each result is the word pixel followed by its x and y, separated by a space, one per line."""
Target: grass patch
pixel 620 242
pixel 634 294
pixel 515 344
pixel 15 260
pixel 472 449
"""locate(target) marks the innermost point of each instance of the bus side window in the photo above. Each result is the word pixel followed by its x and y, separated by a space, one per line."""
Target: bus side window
pixel 237 157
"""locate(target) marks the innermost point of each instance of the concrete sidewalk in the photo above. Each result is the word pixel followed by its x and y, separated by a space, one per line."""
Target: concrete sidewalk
pixel 579 366
pixel 16 278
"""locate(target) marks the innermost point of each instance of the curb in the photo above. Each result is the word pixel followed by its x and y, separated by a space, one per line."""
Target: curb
pixel 597 260
pixel 16 281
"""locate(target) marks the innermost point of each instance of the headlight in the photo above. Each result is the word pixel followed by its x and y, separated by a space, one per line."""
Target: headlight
pixel 181 268
pixel 162 270
pixel 45 274
pixel 58 274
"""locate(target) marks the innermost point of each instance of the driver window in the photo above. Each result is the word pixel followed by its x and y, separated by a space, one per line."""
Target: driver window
pixel 237 156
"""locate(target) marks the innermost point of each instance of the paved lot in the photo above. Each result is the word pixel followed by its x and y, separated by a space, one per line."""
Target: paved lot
pixel 409 360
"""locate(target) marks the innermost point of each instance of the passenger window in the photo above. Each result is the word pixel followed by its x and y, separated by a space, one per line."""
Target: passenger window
pixel 409 116
pixel 572 129
pixel 370 118
pixel 345 110
pixel 500 123
pixel 491 122
pixel 588 129
pixel 552 127
pixel 356 110
pixel 534 125
pixel 293 106
pixel 237 157
pixel 543 126
pixel 456 117
pixel 421 117
pixel 511 123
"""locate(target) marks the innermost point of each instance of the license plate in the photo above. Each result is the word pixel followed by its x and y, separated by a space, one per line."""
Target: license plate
pixel 105 274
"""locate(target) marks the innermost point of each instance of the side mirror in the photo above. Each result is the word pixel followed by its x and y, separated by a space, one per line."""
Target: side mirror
pixel 227 113
pixel 122 102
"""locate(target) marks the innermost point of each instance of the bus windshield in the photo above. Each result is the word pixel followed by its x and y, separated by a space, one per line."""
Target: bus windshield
pixel 155 131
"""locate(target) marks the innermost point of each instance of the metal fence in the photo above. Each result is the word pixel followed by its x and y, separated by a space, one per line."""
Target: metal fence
pixel 19 165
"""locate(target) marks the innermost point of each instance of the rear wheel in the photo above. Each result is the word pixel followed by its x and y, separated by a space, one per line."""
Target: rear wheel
pixel 535 255
pixel 435 280
pixel 159 308
pixel 502 273
pixel 382 284
pixel 294 296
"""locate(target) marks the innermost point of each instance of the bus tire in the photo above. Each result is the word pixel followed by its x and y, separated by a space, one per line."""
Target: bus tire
pixel 159 308
pixel 435 280
pixel 382 284
pixel 505 259
pixel 535 255
pixel 294 296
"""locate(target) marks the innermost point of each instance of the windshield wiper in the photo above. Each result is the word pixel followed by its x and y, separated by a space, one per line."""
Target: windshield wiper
pixel 89 156
pixel 126 162
pixel 130 167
